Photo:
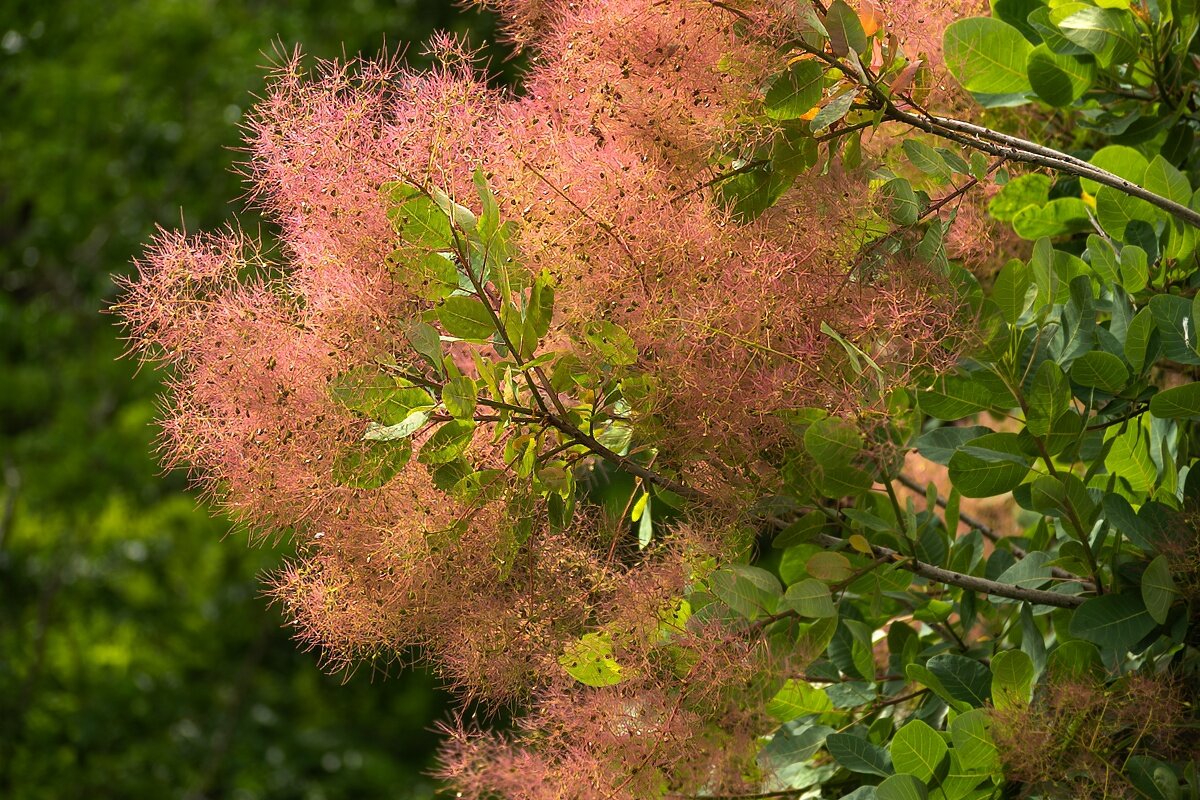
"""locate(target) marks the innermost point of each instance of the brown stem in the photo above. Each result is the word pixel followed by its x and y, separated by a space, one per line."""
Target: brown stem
pixel 976 524
pixel 981 585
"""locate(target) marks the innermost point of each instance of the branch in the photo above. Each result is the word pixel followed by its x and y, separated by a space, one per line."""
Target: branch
pixel 1017 149
pixel 1003 145
pixel 981 585
pixel 976 524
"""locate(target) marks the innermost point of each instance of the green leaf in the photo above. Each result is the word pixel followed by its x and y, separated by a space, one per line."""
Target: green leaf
pixel 1153 779
pixel 1138 341
pixel 448 442
pixel 833 111
pixel 902 203
pixel 1048 397
pixel 918 750
pixel 1176 327
pixel 901 787
pixel 1103 259
pixel 590 661
pixel 1012 679
pixel 790 748
pixel 371 465
pixel 1113 621
pixel 1075 658
pixel 827 566
pixel 611 342
pixel 952 398
pixel 1013 290
pixel 833 441
pixel 940 444
pixel 1115 210
pixel 431 276
pixel 808 598
pixel 1165 180
pixel 1059 79
pixel 750 591
pixel 973 743
pixel 795 92
pixel 460 395
pixel 1100 370
pixel 797 699
pixel 1179 402
pixel 800 531
pixel 1078 321
pixel 858 755
pixel 1158 589
pixel 844 480
pixel 1129 457
pixel 987 56
pixel 1060 216
pixel 752 191
pixel 1120 160
pixel 1031 189
pixel 401 430
pixel 466 318
pixel 845 29
pixel 421 223
pixel 964 678
pixel 377 396
pixel 425 340
pixel 1031 572
pixel 1109 34
pixel 925 158
pixel 984 471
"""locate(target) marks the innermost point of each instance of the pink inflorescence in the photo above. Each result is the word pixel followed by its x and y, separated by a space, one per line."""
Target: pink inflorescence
pixel 602 162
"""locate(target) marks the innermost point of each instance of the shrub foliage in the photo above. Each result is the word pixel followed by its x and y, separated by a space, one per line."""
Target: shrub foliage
pixel 611 395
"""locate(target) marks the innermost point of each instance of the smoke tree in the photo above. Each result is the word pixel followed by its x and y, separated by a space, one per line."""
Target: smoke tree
pixel 605 396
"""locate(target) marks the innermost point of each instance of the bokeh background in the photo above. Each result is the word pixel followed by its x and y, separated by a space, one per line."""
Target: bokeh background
pixel 138 658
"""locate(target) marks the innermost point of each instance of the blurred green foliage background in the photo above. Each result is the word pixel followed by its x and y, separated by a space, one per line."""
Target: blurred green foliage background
pixel 137 657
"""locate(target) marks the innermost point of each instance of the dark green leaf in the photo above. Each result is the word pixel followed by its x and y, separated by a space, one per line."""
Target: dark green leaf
pixel 833 111
pixel 940 444
pixel 1059 79
pixel 1158 589
pixel 858 755
pixel 1013 291
pixel 750 591
pixel 925 158
pixel 964 678
pixel 1173 318
pixel 1101 370
pixel 903 206
pixel 1113 621
pixel 832 441
pixel 808 598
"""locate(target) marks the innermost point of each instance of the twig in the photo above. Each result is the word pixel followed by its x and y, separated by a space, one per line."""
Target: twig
pixel 981 585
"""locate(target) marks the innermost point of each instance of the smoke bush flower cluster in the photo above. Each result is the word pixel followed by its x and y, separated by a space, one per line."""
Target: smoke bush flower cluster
pixel 602 162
